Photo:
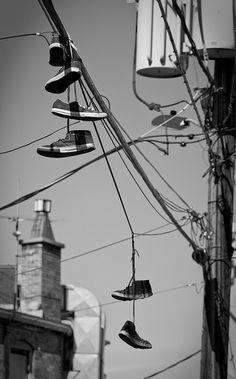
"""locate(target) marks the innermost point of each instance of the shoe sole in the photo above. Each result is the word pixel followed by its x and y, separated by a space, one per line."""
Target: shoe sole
pixel 62 81
pixel 65 152
pixel 126 298
pixel 126 338
pixel 84 116
pixel 56 45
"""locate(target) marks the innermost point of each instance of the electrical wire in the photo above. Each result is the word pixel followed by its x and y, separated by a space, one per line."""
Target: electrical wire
pixel 59 179
pixel 147 140
pixel 32 142
pixel 110 133
pixel 163 233
pixel 85 90
pixel 232 360
pixel 107 245
pixel 130 154
pixel 178 63
pixel 173 365
pixel 47 14
pixel 194 49
pixel 172 289
pixel 26 197
pixel 197 286
pixel 50 135
pixel 27 35
pixel 112 137
pixel 148 161
pixel 109 165
pixel 195 97
pixel 180 143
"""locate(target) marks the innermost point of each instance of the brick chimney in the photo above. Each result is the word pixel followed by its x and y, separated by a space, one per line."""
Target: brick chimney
pixel 40 267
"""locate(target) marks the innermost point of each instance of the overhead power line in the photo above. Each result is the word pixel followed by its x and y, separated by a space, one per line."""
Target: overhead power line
pixel 72 172
pixel 59 179
pixel 158 292
pixel 26 35
pixel 79 255
pixel 173 365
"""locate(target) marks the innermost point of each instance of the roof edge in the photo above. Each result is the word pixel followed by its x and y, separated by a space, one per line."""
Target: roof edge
pixel 35 321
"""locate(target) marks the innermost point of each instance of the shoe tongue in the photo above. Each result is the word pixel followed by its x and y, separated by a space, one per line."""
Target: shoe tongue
pixel 77 106
pixel 72 132
pixel 130 325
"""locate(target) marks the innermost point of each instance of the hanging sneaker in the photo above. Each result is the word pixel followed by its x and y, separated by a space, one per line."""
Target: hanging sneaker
pixel 76 111
pixel 67 75
pixel 57 51
pixel 76 142
pixel 129 335
pixel 141 290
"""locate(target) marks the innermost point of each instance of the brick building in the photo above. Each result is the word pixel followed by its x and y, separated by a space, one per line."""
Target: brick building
pixel 42 335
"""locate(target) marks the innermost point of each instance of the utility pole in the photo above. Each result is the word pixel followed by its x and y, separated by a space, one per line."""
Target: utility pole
pixel 217 268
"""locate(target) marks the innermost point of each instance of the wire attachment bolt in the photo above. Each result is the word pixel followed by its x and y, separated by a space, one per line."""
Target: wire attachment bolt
pixel 154 107
pixel 200 256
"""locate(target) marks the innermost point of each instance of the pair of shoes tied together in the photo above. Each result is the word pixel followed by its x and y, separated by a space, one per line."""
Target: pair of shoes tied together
pixel 129 335
pixel 140 290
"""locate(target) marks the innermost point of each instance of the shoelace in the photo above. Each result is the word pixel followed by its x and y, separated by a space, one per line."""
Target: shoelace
pixel 62 139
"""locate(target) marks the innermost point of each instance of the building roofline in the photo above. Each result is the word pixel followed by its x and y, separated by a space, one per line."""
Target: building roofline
pixel 39 322
pixel 35 240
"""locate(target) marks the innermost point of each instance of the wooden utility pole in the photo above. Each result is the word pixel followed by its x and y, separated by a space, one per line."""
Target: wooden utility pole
pixel 217 269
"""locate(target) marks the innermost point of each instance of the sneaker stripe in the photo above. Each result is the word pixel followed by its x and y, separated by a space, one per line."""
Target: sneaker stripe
pixel 64 73
pixel 75 148
pixel 80 115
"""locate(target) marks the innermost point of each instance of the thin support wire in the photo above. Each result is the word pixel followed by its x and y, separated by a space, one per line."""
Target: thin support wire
pixel 109 166
pixel 133 276
pixel 27 35
pixel 47 15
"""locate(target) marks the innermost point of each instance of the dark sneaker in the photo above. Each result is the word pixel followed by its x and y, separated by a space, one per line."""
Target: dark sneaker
pixel 129 335
pixel 76 111
pixel 76 142
pixel 67 75
pixel 57 52
pixel 141 290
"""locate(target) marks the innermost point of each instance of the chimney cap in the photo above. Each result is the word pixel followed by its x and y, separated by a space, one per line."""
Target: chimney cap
pixel 42 205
